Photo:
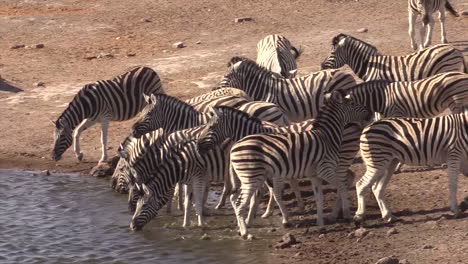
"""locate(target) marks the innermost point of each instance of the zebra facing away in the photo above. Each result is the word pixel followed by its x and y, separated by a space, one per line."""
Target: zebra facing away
pixel 235 125
pixel 313 153
pixel 426 8
pixel 275 53
pixel 412 141
pixel 428 97
pixel 118 99
pixel 300 98
pixel 369 65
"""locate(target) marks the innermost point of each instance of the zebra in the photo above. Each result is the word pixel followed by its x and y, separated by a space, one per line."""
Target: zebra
pixel 118 99
pixel 428 97
pixel 414 141
pixel 180 163
pixel 275 53
pixel 235 125
pixel 234 92
pixel 171 114
pixel 300 98
pixel 369 64
pixel 426 8
pixel 295 155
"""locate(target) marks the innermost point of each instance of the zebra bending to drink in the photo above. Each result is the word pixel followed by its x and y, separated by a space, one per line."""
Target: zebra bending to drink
pixel 413 141
pixel 118 99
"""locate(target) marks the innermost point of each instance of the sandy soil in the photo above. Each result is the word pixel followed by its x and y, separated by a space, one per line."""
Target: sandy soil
pixel 74 30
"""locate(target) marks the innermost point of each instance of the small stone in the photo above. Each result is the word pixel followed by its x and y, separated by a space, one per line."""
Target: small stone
pixel 359 239
pixel 39 46
pixel 404 261
pixel 39 84
pixel 362 30
pixel 427 247
pixel 105 55
pixel 17 46
pixel 90 57
pixel 321 236
pixel 298 254
pixel 361 232
pixel 351 235
pixel 388 260
pixel 131 54
pixel 392 231
pixel 242 19
pixel 147 20
pixel 287 241
pixel 44 173
pixel 117 38
pixel 272 230
pixel 436 177
pixel 251 237
pixel 464 13
pixel 165 51
pixel 205 237
pixel 198 42
pixel 102 169
pixel 178 45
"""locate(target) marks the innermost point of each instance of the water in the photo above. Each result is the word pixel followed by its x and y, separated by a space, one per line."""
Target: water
pixel 79 219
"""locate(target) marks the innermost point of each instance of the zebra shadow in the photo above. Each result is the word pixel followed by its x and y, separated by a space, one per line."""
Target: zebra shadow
pixel 461 45
pixel 6 86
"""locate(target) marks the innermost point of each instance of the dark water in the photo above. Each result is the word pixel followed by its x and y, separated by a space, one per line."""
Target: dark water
pixel 78 219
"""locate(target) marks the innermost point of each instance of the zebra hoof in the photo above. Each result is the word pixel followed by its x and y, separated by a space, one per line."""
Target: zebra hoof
pixel 287 225
pixel 358 220
pixel 266 215
pixel 80 156
pixel 456 214
pixel 390 219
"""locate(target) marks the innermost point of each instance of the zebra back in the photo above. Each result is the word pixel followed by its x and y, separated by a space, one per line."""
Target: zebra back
pixel 228 91
pixel 276 53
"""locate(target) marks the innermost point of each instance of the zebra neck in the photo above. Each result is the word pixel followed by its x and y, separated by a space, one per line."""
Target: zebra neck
pixel 262 86
pixel 331 126
pixel 73 114
pixel 244 128
pixel 362 62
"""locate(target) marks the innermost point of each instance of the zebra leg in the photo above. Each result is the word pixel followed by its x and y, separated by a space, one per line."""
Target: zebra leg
pixel 199 187
pixel 278 186
pixel 295 188
pixel 242 203
pixel 443 33
pixel 254 201
pixel 226 189
pixel 430 27
pixel 76 137
pixel 412 20
pixel 378 189
pixel 169 202
pixel 453 171
pixel 362 186
pixel 179 190
pixel 318 194
pixel 187 204
pixel 269 210
pixel 104 129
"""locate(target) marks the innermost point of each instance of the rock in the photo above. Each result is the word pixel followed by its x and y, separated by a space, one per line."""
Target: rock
pixel 101 170
pixel 105 55
pixel 251 237
pixel 38 84
pixel 388 260
pixel 321 236
pixel 39 46
pixel 464 13
pixel 427 247
pixel 404 261
pixel 198 42
pixel 205 237
pixel 17 46
pixel 361 232
pixel 287 241
pixel 362 30
pixel 131 54
pixel 90 57
pixel 351 235
pixel 392 231
pixel 147 20
pixel 178 45
pixel 298 254
pixel 242 19
pixel 44 173
pixel 272 230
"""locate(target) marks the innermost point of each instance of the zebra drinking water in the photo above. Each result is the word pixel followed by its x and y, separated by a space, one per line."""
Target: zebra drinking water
pixel 275 53
pixel 370 65
pixel 118 99
pixel 414 141
pixel 426 8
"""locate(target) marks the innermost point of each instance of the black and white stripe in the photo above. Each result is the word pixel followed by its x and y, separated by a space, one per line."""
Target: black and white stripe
pixel 369 65
pixel 313 153
pixel 118 99
pixel 412 141
pixel 275 53
pixel 426 8
pixel 300 98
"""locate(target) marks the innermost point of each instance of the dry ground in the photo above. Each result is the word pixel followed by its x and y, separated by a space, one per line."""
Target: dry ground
pixel 74 29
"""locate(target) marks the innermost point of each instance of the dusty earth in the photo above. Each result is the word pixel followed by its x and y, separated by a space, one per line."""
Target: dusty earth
pixel 75 31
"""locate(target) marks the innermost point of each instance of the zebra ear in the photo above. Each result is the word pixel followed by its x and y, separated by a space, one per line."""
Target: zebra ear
pixel 123 154
pixel 292 73
pixel 216 111
pixel 153 98
pixel 146 190
pixel 147 98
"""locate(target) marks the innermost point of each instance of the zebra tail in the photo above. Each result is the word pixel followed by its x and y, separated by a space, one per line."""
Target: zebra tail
pixel 235 183
pixel 451 10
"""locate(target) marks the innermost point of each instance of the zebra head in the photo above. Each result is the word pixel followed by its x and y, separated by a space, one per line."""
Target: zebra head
pixel 334 60
pixel 336 104
pixel 232 77
pixel 63 139
pixel 121 177
pixel 215 131
pixel 148 204
pixel 147 120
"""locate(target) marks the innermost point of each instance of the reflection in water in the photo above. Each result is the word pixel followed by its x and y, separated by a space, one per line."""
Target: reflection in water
pixel 78 219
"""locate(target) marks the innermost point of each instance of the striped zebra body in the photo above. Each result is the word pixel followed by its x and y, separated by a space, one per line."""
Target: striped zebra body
pixel 369 65
pixel 426 8
pixel 118 99
pixel 180 163
pixel 300 98
pixel 293 156
pixel 428 97
pixel 412 141
pixel 235 125
pixel 275 52
pixel 199 102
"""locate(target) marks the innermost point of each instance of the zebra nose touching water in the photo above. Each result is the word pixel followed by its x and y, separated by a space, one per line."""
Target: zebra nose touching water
pixel 118 99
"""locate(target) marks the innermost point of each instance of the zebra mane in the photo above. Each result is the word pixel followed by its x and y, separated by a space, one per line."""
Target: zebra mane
pixel 236 59
pixel 253 64
pixel 336 39
pixel 145 141
pixel 174 102
pixel 85 89
pixel 227 110
pixel 368 85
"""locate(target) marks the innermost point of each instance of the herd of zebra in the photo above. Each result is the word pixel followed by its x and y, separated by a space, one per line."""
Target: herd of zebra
pixel 242 133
